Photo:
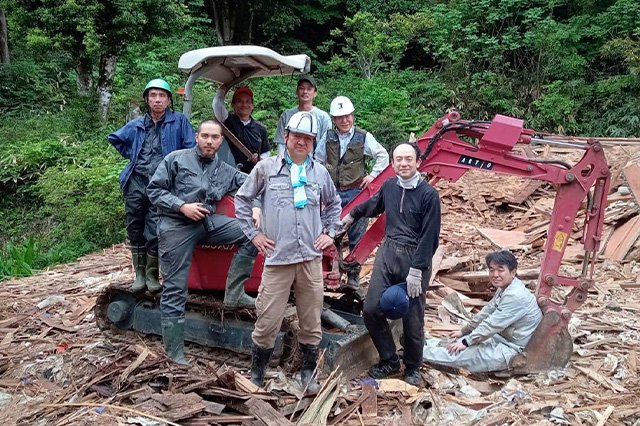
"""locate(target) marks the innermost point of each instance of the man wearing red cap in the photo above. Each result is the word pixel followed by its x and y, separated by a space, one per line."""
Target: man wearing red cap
pixel 251 133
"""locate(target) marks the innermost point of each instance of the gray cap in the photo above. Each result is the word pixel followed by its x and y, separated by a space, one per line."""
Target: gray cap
pixel 310 79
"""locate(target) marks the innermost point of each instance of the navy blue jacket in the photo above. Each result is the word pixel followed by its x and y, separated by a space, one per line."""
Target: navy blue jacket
pixel 176 133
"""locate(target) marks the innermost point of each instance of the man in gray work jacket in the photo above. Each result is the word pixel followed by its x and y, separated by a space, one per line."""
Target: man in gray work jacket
pixel 293 189
pixel 185 188
pixel 501 329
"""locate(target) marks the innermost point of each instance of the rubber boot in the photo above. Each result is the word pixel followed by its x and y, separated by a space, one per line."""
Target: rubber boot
pixel 309 361
pixel 353 280
pixel 152 274
pixel 139 258
pixel 239 272
pixel 173 339
pixel 259 359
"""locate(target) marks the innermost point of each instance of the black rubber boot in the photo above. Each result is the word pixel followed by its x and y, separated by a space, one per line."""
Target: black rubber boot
pixel 152 274
pixel 139 259
pixel 239 272
pixel 173 339
pixel 259 359
pixel 309 361
pixel 385 368
pixel 353 280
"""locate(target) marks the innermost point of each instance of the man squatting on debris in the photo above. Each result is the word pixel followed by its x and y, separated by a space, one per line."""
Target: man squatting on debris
pixel 185 188
pixel 292 189
pixel 501 329
pixel 411 238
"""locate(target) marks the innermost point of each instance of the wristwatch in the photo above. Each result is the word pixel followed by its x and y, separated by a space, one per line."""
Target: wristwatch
pixel 331 234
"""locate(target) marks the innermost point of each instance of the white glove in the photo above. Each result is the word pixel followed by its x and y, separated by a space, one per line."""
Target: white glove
pixel 346 222
pixel 414 282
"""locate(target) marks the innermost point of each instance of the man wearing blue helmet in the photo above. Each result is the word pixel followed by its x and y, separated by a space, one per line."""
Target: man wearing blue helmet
pixel 412 229
pixel 145 141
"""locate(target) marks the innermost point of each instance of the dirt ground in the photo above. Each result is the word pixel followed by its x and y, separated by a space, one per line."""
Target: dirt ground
pixel 58 368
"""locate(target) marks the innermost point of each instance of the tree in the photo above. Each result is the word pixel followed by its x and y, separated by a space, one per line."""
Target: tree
pixel 4 42
pixel 96 32
pixel 233 20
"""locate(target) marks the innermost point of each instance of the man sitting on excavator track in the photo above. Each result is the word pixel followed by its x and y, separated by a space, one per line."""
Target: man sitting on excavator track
pixel 185 188
pixel 499 332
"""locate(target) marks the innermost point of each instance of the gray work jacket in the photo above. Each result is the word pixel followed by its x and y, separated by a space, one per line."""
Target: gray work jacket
pixel 513 313
pixel 293 230
pixel 185 177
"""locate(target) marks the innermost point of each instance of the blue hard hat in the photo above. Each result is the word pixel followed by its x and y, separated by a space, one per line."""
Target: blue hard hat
pixel 394 302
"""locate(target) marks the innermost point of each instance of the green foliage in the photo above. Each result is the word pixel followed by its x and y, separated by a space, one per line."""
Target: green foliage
pixel 568 67
pixel 18 260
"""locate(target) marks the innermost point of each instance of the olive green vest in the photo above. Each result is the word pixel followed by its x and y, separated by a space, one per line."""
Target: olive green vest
pixel 348 171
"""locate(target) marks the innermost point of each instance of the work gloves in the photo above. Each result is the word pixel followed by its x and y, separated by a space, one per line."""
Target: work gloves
pixel 414 282
pixel 346 222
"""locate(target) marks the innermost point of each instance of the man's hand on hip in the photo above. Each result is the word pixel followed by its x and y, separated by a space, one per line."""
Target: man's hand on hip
pixel 194 211
pixel 322 242
pixel 414 282
pixel 263 243
pixel 366 181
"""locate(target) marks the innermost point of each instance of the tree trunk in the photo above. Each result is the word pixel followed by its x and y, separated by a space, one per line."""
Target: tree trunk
pixel 233 20
pixel 4 41
pixel 84 81
pixel 105 82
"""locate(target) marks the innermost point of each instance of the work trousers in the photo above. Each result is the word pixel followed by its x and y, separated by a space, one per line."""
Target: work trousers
pixel 494 354
pixel 359 227
pixel 391 267
pixel 141 215
pixel 277 280
pixel 177 240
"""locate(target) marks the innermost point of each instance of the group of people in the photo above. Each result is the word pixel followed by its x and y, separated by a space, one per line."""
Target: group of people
pixel 288 208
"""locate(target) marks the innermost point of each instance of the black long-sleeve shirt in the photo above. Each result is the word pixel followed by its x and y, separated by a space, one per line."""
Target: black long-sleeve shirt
pixel 413 217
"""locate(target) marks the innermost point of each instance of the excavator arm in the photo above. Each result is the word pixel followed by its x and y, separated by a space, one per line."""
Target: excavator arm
pixel 452 147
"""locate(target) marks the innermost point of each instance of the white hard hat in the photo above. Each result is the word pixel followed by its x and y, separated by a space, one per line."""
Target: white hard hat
pixel 341 105
pixel 303 122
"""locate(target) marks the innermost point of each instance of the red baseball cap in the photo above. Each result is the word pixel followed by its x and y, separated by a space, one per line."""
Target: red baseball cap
pixel 243 90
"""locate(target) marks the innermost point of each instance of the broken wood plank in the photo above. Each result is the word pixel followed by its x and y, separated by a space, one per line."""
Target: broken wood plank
pixel 504 239
pixel 53 324
pixel 622 240
pixel 632 173
pixel 266 413
pixel 605 416
pixel 370 403
pixel 600 379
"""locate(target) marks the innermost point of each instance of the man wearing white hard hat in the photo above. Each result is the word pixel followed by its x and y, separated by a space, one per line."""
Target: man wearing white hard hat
pixel 292 188
pixel 343 154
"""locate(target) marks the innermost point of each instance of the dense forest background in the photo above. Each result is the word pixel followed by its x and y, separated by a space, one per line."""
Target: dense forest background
pixel 72 71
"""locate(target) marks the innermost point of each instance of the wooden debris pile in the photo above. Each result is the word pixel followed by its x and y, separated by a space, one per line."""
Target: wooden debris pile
pixel 57 368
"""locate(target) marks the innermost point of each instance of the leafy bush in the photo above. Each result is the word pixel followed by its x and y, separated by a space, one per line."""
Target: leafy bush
pixel 18 260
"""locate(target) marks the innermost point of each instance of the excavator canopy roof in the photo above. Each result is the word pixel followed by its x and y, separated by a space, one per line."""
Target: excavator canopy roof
pixel 231 64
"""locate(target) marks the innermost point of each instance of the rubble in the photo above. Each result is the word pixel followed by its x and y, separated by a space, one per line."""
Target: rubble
pixel 57 367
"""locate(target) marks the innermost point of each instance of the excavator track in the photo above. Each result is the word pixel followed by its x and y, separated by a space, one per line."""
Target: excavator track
pixel 345 338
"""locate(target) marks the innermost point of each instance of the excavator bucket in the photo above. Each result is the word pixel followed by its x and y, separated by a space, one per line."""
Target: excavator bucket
pixel 550 347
